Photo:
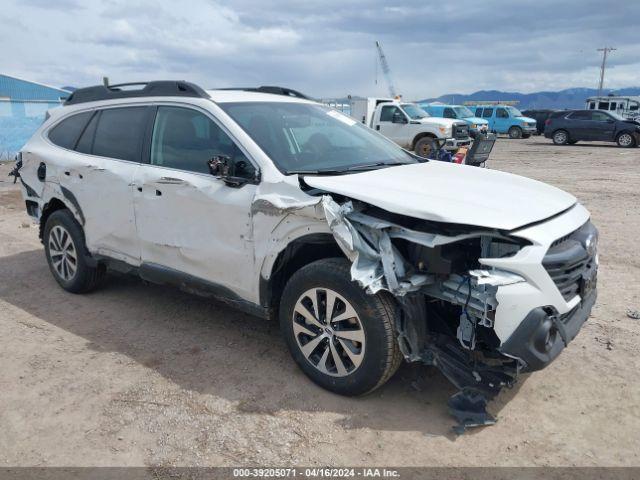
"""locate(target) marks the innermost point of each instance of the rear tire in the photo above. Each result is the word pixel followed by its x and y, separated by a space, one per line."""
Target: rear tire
pixel 626 140
pixel 515 132
pixel 560 137
pixel 318 339
pixel 67 253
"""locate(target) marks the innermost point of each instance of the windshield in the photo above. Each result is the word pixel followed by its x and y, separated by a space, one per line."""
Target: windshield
pixel 514 112
pixel 309 138
pixel 414 111
pixel 463 112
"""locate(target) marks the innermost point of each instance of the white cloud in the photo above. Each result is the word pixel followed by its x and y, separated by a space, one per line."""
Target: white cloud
pixel 323 47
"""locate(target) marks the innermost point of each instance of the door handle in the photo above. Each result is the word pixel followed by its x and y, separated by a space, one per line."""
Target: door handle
pixel 377 127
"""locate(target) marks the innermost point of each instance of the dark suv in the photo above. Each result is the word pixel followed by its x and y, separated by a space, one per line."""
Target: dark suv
pixel 540 117
pixel 570 126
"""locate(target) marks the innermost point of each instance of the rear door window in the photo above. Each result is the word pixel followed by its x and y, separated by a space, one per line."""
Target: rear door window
pixel 85 144
pixel 580 116
pixel 66 133
pixel 488 113
pixel 119 133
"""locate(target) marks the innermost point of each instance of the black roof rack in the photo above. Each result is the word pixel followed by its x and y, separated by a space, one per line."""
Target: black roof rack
pixel 288 92
pixel 161 88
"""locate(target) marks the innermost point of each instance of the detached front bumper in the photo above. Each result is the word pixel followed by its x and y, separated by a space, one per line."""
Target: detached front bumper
pixel 543 334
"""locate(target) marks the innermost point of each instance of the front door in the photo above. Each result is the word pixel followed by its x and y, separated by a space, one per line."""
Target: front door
pixel 190 222
pixel 393 125
pixel 602 126
pixel 502 122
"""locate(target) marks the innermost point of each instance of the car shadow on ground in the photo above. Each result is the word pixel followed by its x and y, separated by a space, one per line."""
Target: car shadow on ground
pixel 207 347
pixel 581 144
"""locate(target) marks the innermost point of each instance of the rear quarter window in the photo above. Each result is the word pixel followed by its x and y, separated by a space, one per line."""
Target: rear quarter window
pixel 66 133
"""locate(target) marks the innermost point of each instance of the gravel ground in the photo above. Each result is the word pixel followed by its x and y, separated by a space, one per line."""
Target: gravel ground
pixel 137 374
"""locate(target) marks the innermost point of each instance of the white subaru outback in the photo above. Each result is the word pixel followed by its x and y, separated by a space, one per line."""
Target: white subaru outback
pixel 288 209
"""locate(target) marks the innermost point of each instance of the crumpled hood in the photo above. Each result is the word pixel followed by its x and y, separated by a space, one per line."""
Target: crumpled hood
pixel 445 192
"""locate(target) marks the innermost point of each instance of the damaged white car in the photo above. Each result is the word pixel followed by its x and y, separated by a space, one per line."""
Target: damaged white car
pixel 288 209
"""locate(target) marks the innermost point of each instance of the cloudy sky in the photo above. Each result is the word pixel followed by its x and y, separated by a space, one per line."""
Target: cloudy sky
pixel 324 47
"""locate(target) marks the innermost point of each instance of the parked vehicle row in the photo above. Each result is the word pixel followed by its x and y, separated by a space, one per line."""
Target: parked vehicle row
pixel 571 126
pixel 410 126
pixel 366 254
pixel 459 112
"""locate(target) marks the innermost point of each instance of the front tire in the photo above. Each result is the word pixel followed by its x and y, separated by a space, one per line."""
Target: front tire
pixel 342 338
pixel 625 140
pixel 425 147
pixel 515 132
pixel 561 137
pixel 66 253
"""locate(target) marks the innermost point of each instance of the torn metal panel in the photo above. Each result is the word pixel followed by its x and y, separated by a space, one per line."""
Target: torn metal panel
pixel 376 263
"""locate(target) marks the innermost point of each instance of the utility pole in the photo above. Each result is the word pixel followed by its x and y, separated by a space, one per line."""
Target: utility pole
pixel 604 51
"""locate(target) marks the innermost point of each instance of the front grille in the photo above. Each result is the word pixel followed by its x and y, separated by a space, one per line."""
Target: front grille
pixel 567 261
pixel 461 131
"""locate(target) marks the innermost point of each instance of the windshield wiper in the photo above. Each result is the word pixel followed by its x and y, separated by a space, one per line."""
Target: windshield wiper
pixel 318 171
pixel 369 166
pixel 354 168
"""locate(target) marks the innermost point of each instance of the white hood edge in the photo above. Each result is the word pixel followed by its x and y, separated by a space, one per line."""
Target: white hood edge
pixel 450 193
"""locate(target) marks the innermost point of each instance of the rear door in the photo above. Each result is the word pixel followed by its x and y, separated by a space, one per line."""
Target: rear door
pixel 190 222
pixel 578 124
pixel 100 183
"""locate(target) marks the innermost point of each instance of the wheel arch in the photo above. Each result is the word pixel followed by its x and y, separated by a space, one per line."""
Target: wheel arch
pixel 296 254
pixel 420 136
pixel 54 204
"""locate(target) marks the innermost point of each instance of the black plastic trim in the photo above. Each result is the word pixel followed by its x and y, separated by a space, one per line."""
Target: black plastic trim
pixel 74 201
pixel 527 342
pixel 160 88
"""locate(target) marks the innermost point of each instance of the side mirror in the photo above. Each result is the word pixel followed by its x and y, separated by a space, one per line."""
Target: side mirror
pixel 227 169
pixel 398 118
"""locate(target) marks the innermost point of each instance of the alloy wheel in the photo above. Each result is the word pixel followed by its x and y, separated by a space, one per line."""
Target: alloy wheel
pixel 328 332
pixel 560 137
pixel 63 253
pixel 625 140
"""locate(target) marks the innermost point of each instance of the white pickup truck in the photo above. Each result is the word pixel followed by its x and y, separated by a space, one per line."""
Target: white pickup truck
pixel 408 125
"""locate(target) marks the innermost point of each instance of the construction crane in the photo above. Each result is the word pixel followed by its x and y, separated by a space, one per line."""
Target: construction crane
pixel 386 70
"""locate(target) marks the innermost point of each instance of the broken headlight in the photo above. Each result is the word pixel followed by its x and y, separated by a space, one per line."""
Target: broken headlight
pixel 501 247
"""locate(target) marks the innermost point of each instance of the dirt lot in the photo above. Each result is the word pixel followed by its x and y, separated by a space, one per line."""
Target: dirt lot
pixel 144 375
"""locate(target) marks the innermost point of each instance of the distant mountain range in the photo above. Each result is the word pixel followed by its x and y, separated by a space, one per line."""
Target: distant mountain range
pixel 569 98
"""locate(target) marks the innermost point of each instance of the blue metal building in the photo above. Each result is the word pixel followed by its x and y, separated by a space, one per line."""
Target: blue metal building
pixel 23 105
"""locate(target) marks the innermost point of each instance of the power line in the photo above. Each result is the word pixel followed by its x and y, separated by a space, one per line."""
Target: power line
pixel 605 51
